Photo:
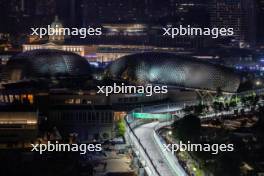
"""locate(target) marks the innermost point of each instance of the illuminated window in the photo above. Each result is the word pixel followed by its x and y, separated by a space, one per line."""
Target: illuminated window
pixel 30 98
pixel 78 101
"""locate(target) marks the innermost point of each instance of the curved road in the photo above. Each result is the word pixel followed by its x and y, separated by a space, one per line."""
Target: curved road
pixel 145 135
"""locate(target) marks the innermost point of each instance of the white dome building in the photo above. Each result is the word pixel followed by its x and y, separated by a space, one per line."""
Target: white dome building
pixel 58 37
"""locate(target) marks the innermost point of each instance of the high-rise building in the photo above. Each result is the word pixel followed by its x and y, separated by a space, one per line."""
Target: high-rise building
pixel 260 22
pixel 121 11
pixel 105 11
pixel 25 14
pixel 237 14
pixel 177 11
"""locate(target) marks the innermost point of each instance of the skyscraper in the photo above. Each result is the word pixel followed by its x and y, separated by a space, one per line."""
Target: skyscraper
pixel 236 14
pixel 260 22
pixel 118 11
pixel 177 11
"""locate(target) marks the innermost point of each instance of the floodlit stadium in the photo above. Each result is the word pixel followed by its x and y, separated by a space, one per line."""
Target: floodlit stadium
pixel 173 70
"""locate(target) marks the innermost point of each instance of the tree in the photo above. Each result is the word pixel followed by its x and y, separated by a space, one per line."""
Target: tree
pixel 228 164
pixel 121 127
pixel 188 109
pixel 233 103
pixel 218 106
pixel 199 109
pixel 219 92
pixel 187 128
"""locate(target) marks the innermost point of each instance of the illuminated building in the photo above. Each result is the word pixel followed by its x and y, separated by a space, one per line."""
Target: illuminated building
pixel 61 85
pixel 125 29
pixel 78 49
pixel 174 70
pixel 92 52
pixel 239 15
pixel 105 11
pixel 45 63
pixel 260 22
pixel 58 37
pixel 17 126
pixel 57 41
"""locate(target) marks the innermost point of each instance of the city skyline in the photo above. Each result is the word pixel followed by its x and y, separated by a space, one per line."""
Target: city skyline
pixel 131 87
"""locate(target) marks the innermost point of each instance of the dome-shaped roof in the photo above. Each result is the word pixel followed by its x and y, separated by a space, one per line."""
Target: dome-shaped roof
pixel 175 70
pixel 46 63
pixel 56 23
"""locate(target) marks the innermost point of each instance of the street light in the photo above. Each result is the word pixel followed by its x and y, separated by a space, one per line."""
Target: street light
pixel 258 83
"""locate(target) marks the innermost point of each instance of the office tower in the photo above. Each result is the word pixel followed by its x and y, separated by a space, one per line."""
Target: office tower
pixel 260 22
pixel 117 11
pixel 177 12
pixel 236 14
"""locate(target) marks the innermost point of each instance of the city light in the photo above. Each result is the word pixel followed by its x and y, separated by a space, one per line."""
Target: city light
pixel 141 87
pixel 258 83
